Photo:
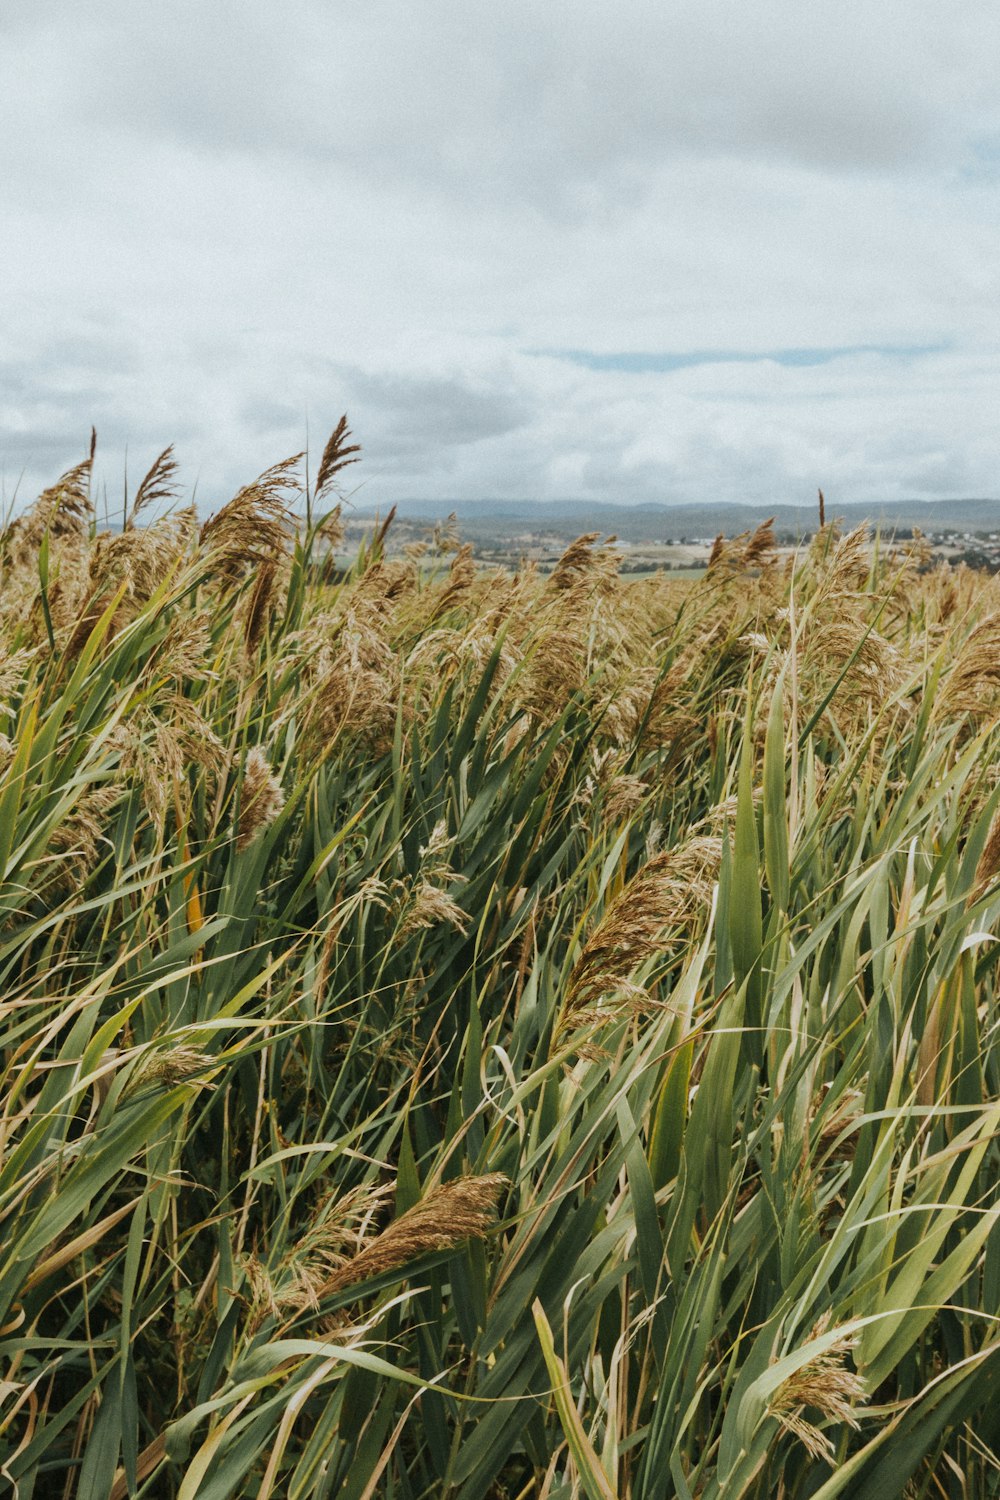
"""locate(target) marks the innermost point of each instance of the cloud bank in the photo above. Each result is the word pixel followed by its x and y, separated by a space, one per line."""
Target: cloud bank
pixel 647 251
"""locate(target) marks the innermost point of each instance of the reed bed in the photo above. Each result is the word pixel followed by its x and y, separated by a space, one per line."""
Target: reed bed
pixel 492 1037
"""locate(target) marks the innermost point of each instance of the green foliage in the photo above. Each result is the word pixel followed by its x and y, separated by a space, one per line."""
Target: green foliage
pixel 474 1036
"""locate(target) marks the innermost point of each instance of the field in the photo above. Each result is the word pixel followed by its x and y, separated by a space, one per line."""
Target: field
pixel 490 1035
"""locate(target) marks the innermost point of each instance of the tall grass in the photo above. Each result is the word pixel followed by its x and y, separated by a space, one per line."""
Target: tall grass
pixel 478 1036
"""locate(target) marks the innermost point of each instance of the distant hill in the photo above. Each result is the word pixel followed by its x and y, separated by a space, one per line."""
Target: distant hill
pixel 656 523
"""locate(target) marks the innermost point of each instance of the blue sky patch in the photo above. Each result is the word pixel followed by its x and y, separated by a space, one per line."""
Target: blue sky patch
pixel 646 363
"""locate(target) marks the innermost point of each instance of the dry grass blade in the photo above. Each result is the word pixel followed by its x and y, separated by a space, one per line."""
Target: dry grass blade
pixel 149 1460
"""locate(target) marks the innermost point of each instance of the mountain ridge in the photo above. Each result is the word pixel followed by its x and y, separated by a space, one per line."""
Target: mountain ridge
pixel 655 521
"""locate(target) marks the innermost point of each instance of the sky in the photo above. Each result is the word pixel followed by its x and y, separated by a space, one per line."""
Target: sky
pixel 638 250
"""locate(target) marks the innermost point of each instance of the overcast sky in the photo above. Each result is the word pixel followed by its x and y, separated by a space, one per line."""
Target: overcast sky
pixel 626 249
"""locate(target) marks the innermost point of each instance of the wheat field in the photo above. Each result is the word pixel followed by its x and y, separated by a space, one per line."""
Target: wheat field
pixel 489 1035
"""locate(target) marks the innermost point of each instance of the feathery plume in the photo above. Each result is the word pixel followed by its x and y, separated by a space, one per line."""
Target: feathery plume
pixel 972 684
pixel 827 1386
pixel 427 903
pixel 255 527
pixel 751 551
pixel 380 534
pixel 671 891
pixel 447 1215
pixel 258 607
pixel 759 550
pixel 353 670
pixel 158 484
pixel 430 905
pixel 338 1250
pixel 849 563
pixel 331 529
pixel 63 510
pixel 577 562
pixel 461 577
pixel 622 796
pixel 445 534
pixel 77 841
pixel 261 798
pixel 989 860
pixel 337 454
pixel 66 505
pixel 717 553
pixel 165 1069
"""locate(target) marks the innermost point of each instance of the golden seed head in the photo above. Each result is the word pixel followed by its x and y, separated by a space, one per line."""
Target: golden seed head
pixel 261 797
pixel 825 1385
pixel 448 1214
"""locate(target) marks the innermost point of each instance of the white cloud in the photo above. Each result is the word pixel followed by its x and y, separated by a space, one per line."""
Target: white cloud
pixel 221 222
